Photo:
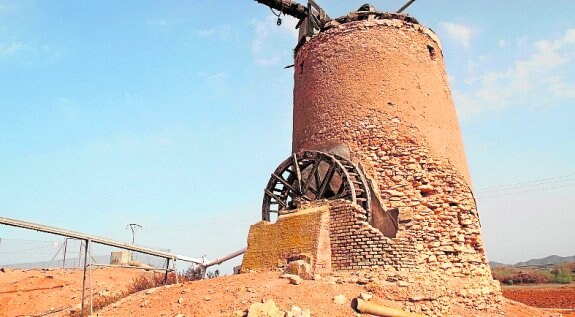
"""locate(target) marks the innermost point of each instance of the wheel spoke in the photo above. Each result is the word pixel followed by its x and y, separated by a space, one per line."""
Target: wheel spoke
pixel 278 200
pixel 297 173
pixel 306 185
pixel 326 180
pixel 284 182
pixel 344 194
pixel 293 182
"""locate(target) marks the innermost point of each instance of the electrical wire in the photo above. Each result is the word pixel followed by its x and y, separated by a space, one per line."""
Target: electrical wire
pixel 26 250
pixel 27 240
pixel 526 191
pixel 214 224
pixel 532 183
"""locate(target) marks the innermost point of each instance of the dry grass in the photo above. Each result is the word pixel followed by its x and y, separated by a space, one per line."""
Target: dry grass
pixel 138 284
pixel 511 275
pixel 561 274
pixel 144 282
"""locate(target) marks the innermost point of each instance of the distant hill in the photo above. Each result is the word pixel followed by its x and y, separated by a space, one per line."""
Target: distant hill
pixel 552 259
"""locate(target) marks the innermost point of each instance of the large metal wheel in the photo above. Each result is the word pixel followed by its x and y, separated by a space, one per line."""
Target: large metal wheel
pixel 310 176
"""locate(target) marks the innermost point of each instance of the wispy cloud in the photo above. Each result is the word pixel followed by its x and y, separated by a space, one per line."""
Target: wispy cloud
pixel 462 34
pixel 222 32
pixel 544 78
pixel 12 48
pixel 14 45
pixel 270 41
pixel 274 60
pixel 35 53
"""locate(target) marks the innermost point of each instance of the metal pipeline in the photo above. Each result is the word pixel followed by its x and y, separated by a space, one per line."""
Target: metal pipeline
pixel 227 257
pixel 378 310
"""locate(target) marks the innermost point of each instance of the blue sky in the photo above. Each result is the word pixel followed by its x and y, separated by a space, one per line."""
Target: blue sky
pixel 173 114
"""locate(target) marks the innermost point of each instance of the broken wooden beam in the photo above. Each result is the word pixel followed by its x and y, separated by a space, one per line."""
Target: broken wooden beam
pixel 288 7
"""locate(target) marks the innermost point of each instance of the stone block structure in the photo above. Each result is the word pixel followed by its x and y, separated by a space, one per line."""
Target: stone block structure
pixel 301 234
pixel 376 87
pixel 379 88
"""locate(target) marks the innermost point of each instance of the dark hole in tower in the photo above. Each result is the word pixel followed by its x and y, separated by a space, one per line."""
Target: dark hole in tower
pixel 432 53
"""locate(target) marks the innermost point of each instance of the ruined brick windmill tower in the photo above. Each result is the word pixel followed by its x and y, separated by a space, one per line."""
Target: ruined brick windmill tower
pixel 378 179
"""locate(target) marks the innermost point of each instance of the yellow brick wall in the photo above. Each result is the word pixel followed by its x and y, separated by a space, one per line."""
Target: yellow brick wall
pixel 303 232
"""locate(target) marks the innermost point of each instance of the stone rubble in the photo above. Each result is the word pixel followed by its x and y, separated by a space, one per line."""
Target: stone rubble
pixel 339 299
pixel 300 268
pixel 293 279
pixel 268 308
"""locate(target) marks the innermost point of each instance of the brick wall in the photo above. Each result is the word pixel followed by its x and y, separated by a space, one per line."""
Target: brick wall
pixel 356 245
pixel 305 232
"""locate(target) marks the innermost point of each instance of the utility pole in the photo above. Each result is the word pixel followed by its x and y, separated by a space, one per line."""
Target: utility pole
pixel 133 227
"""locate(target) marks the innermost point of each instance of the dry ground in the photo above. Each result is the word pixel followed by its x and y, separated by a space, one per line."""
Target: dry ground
pixel 223 296
pixel 55 292
pixel 547 296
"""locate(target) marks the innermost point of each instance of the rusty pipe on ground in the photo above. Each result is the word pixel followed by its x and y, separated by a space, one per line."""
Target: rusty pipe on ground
pixel 379 310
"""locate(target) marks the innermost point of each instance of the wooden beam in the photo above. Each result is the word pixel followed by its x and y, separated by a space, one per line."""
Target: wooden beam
pixel 272 195
pixel 326 180
pixel 288 7
pixel 284 182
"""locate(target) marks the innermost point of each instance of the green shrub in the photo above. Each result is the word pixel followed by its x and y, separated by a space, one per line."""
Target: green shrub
pixel 562 274
pixel 563 278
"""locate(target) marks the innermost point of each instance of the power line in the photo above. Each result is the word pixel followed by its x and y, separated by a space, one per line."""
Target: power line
pixel 25 250
pixel 527 191
pixel 541 181
pixel 203 225
pixel 28 240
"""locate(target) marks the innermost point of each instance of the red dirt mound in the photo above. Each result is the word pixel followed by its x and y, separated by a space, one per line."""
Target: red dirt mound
pixel 56 292
pixel 227 295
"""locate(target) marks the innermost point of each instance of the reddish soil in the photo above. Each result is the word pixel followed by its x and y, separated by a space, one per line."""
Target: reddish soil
pixel 546 296
pixel 225 295
pixel 56 292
